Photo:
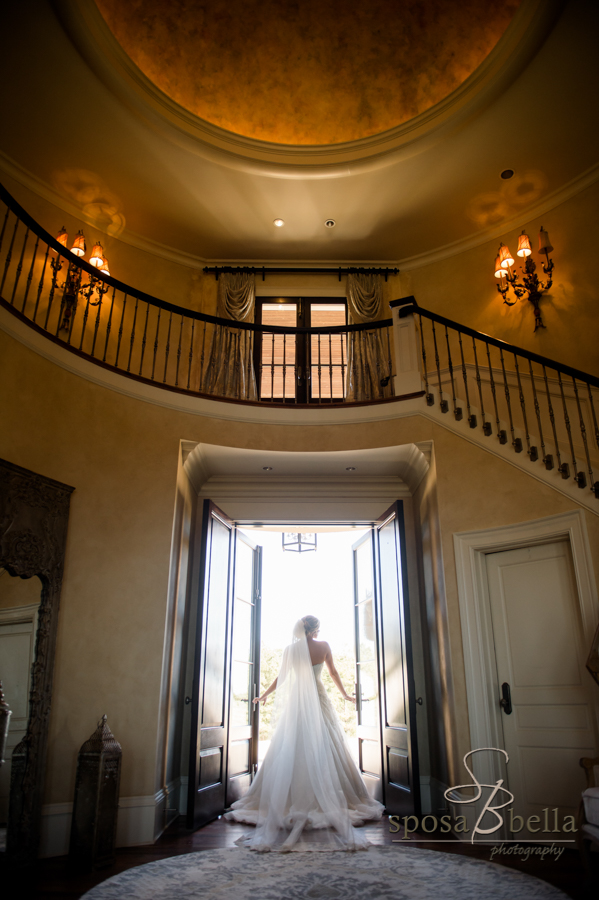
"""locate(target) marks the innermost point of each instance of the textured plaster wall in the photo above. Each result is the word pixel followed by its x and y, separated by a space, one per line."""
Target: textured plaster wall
pixel 121 455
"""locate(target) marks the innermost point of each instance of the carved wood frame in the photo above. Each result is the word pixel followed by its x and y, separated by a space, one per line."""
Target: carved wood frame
pixel 34 513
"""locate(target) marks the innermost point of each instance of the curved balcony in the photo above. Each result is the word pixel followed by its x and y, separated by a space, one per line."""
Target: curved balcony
pixel 534 412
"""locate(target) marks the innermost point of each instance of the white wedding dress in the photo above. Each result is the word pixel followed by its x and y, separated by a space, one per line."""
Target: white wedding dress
pixel 308 793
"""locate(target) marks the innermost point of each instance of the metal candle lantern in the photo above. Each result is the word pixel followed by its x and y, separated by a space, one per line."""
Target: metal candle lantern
pixel 93 830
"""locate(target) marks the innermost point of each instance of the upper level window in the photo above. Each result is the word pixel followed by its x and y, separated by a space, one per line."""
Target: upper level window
pixel 306 368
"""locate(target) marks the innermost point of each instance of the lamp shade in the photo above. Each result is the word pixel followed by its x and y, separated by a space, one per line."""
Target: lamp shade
pixel 62 237
pixel 78 247
pixel 505 257
pixel 104 267
pixel 544 242
pixel 499 272
pixel 524 248
pixel 97 256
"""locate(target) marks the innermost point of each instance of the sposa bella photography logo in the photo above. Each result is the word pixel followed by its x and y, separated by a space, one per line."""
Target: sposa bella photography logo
pixel 497 815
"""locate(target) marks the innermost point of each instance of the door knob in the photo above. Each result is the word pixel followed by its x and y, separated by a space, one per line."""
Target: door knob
pixel 187 701
pixel 506 698
pixel 419 701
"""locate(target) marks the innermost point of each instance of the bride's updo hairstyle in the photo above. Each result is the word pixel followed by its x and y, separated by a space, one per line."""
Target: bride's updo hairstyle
pixel 311 624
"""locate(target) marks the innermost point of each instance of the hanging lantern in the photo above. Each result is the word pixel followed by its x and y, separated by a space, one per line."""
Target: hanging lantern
pixel 297 542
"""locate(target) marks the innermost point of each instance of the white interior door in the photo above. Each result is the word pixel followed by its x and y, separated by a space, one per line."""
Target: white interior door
pixel 540 655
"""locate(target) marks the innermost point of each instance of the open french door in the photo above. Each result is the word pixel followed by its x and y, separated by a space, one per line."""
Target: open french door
pixel 388 757
pixel 223 743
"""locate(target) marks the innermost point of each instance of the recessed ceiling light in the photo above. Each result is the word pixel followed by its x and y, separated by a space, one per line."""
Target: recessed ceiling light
pixel 507 173
pixel 279 223
pixel 267 468
pixel 350 468
pixel 330 223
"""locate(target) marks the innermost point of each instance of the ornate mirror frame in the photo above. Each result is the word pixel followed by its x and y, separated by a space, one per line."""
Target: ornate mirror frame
pixel 34 513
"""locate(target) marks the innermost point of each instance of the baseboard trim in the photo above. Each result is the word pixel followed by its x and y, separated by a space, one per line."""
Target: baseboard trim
pixel 136 823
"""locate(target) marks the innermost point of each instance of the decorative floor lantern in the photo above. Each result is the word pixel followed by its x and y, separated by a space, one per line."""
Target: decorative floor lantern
pixel 297 542
pixel 93 830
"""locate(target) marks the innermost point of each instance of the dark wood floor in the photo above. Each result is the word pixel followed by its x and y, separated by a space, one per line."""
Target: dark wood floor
pixel 54 881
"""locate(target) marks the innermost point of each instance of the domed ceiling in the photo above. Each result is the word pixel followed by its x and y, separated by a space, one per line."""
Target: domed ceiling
pixel 307 73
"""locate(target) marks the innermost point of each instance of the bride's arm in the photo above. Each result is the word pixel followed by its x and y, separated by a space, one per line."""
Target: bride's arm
pixel 275 682
pixel 335 676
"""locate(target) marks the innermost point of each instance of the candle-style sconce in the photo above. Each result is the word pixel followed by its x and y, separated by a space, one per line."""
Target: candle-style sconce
pixel 92 290
pixel 530 284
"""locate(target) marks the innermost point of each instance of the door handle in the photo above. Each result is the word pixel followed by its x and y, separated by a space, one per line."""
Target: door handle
pixel 506 699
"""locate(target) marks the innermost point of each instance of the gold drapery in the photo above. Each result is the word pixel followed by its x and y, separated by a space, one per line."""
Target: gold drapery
pixel 368 361
pixel 230 369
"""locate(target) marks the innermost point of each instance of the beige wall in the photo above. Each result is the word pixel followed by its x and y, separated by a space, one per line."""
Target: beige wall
pixel 122 455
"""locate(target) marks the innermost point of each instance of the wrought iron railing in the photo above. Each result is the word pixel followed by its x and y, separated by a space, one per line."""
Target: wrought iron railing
pixel 116 326
pixel 513 396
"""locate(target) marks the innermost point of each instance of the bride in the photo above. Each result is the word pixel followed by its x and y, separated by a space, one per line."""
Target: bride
pixel 308 793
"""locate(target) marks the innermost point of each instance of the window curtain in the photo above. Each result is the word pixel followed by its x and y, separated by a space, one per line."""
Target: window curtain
pixel 367 359
pixel 230 369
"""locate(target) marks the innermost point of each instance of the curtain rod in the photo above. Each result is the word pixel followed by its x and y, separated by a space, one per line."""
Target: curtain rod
pixel 340 270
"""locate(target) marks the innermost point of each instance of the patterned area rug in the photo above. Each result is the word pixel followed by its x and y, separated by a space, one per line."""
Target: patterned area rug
pixel 382 872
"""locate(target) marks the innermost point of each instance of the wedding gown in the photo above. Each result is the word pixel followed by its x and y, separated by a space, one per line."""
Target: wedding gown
pixel 308 793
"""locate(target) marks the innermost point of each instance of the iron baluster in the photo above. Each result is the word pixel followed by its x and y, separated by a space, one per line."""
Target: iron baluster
pixel 132 334
pixel 487 426
pixel 155 343
pixel 443 404
pixel 592 405
pixel 108 325
pixel 193 325
pixel 30 275
pixel 330 367
pixel 19 268
pixel 118 345
pixel 143 340
pixel 55 271
pixel 577 475
pixel 4 226
pixel 471 416
pixel 390 358
pixel 261 367
pixel 319 373
pixel 562 468
pixel 71 324
pixel 284 363
pixel 341 348
pixel 168 344
pixel 40 286
pixel 202 376
pixel 97 323
pixel 179 352
pixel 516 442
pixel 430 399
pixel 8 257
pixel 583 432
pixel 547 460
pixel 85 317
pixel 501 434
pixel 272 366
pixel 457 410
pixel 532 451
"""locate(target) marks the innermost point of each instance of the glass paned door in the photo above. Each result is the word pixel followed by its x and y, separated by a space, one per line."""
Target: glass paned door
pixel 328 352
pixel 367 673
pixel 245 668
pixel 278 352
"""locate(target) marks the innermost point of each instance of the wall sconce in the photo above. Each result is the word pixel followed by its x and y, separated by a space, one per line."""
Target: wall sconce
pixel 73 286
pixel 530 283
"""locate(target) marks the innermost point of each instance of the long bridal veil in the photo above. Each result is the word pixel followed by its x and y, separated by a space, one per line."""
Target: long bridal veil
pixel 297 795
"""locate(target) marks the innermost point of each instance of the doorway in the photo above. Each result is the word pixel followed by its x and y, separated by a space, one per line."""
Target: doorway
pixel 224 748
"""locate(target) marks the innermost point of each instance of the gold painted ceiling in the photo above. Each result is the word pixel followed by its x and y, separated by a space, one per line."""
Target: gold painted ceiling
pixel 315 72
